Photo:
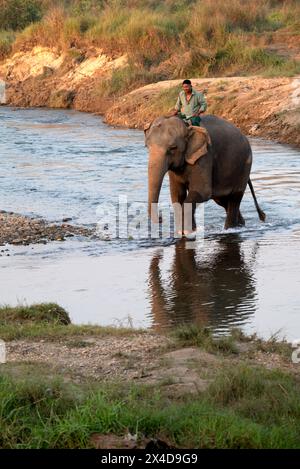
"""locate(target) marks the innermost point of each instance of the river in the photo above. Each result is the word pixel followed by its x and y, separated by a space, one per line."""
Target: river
pixel 57 164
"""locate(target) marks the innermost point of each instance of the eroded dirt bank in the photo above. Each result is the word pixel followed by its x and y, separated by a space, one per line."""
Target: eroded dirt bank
pixel 261 107
pixel 264 107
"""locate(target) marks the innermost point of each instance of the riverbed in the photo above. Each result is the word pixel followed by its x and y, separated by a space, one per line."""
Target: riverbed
pixel 59 164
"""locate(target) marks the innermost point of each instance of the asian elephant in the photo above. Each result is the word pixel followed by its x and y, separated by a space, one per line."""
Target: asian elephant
pixel 208 162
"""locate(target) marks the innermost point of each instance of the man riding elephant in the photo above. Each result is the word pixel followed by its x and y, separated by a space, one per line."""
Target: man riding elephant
pixel 190 104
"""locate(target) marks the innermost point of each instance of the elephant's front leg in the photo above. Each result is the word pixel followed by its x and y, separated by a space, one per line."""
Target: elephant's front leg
pixel 178 193
pixel 189 207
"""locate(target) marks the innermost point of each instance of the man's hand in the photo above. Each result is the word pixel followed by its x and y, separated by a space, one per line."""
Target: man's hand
pixel 197 114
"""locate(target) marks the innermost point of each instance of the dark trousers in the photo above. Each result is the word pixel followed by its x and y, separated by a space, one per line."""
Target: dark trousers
pixel 191 120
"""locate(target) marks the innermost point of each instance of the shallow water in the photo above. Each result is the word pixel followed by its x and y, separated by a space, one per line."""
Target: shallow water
pixel 58 164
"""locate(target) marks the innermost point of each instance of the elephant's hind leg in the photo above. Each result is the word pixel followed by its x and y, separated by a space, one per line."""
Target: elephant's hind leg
pixel 234 217
pixel 224 202
pixel 241 219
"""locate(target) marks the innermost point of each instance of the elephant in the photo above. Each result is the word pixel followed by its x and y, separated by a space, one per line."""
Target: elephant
pixel 214 287
pixel 208 162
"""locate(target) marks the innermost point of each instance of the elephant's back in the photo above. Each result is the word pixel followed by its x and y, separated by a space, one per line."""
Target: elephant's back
pixel 231 152
pixel 223 132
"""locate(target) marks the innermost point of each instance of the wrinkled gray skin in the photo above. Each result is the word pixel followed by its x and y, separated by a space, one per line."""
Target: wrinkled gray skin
pixel 221 174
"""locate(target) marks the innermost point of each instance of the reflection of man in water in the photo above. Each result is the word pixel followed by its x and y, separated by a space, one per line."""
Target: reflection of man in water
pixel 206 288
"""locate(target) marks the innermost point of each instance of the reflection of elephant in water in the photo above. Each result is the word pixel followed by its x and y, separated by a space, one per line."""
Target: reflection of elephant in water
pixel 201 166
pixel 213 287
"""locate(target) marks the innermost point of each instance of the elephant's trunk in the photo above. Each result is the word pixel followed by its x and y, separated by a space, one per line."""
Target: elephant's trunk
pixel 157 168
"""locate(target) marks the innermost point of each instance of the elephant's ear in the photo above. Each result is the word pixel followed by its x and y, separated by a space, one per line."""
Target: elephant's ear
pixel 197 141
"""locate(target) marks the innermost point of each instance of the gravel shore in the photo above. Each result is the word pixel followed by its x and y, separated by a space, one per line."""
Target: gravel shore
pixel 21 230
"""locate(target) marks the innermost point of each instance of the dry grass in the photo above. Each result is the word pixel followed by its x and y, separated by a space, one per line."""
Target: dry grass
pixel 164 40
pixel 182 38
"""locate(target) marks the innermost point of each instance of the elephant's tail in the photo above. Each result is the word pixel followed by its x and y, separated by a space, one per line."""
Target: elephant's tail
pixel 261 214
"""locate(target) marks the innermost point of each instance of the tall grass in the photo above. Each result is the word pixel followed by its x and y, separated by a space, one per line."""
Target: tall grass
pixel 6 41
pixel 180 38
pixel 124 80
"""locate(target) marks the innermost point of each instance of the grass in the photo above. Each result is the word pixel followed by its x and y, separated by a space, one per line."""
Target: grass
pixel 6 41
pixel 47 321
pixel 190 335
pixel 257 394
pixel 164 101
pixel 124 80
pixel 243 408
pixel 43 312
pixel 173 39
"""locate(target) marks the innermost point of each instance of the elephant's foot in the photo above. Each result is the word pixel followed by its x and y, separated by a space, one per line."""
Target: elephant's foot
pixel 231 223
pixel 234 217
pixel 187 234
pixel 241 220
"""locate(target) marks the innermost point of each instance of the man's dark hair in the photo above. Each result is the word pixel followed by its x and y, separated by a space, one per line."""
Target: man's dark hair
pixel 186 82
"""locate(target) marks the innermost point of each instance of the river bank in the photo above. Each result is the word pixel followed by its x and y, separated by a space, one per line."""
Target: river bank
pixel 262 107
pixel 18 229
pixel 184 389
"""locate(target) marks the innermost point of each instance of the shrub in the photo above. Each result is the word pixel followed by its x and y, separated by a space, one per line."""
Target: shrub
pixel 124 79
pixel 17 14
pixel 6 41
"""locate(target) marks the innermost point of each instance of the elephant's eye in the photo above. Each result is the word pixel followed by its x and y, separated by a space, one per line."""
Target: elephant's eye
pixel 173 147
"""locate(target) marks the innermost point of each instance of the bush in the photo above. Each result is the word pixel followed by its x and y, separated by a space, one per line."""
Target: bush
pixel 49 32
pixel 124 79
pixel 6 41
pixel 17 14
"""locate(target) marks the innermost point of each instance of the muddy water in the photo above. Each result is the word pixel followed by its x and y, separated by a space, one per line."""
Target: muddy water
pixel 58 164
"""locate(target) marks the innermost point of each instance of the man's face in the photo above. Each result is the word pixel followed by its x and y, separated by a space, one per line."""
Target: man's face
pixel 187 88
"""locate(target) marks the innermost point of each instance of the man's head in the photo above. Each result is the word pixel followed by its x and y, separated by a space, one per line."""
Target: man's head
pixel 187 86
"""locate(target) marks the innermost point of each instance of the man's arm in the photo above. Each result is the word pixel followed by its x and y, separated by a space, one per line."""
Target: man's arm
pixel 203 103
pixel 177 106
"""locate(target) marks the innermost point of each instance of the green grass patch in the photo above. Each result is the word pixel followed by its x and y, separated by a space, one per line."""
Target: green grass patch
pixel 190 335
pixel 243 408
pixel 42 312
pixel 47 321
pixel 268 397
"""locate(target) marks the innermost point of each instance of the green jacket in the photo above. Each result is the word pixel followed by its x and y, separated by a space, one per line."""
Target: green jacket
pixel 196 103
